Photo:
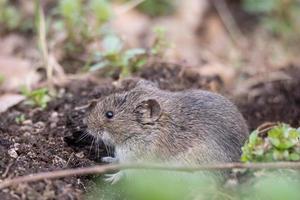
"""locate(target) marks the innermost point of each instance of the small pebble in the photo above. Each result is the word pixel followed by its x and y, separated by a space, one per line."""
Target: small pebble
pixel 16 146
pixel 54 117
pixel 39 125
pixel 79 154
pixel 53 125
pixel 27 122
pixel 12 153
pixel 26 134
pixel 26 128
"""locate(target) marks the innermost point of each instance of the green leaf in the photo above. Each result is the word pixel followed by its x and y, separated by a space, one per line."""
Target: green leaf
pixel 283 136
pixel 294 157
pixel 112 44
pixel 101 9
pixel 70 8
pixel 38 97
pixel 156 8
pixel 253 137
pixel 275 142
pixel 99 65
pixel 258 152
pixel 298 131
pixel 131 53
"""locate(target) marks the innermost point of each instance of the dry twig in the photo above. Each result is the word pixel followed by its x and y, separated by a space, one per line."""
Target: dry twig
pixel 101 169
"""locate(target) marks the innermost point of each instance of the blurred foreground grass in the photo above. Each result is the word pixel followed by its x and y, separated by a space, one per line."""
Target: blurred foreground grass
pixel 162 185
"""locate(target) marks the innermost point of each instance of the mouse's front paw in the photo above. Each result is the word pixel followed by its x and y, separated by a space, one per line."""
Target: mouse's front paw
pixel 113 178
pixel 109 159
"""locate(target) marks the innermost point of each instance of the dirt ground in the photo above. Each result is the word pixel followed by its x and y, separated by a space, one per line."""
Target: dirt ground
pixel 50 139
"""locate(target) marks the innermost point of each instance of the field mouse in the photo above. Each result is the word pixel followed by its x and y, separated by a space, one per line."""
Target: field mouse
pixel 189 127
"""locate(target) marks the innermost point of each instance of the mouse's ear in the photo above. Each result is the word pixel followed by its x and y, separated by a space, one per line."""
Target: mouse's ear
pixel 148 111
pixel 92 104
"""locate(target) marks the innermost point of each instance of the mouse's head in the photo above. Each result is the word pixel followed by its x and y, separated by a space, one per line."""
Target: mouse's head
pixel 124 117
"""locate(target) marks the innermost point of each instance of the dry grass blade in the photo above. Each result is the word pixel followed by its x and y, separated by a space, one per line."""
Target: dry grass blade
pixel 41 30
pixel 265 127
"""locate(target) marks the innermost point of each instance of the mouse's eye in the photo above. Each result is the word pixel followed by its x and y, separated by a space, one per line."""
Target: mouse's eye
pixel 109 114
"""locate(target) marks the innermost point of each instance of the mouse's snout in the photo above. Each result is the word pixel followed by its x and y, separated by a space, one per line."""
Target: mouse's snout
pixel 97 130
pixel 93 125
pixel 107 139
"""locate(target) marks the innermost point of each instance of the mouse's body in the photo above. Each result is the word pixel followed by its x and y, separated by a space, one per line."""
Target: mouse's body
pixel 149 124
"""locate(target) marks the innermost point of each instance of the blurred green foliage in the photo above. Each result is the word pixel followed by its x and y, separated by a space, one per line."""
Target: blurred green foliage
pixel 2 79
pixel 76 18
pixel 38 97
pixel 279 16
pixel 155 8
pixel 276 185
pixel 72 14
pixel 158 185
pixel 281 144
pixel 160 44
pixel 171 185
pixel 101 9
pixel 11 18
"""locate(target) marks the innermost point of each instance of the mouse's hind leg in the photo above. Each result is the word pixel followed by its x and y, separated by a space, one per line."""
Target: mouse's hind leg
pixel 110 160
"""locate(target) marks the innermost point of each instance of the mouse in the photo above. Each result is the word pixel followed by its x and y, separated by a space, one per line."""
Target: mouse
pixel 147 124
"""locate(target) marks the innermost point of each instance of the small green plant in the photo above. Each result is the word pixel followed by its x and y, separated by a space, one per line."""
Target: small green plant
pixel 276 185
pixel 9 15
pixel 76 18
pixel 128 61
pixel 116 57
pixel 279 16
pixel 20 119
pixel 38 97
pixel 280 144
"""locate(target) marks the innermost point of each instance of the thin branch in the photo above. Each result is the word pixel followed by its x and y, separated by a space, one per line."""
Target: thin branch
pixel 101 169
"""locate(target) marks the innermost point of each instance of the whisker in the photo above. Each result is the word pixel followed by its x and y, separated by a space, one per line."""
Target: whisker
pixel 97 147
pixel 107 149
pixel 83 136
pixel 92 144
pixel 110 151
